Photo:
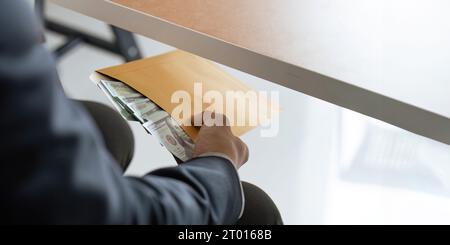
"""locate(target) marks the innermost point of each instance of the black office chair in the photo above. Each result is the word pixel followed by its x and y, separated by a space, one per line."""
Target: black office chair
pixel 124 43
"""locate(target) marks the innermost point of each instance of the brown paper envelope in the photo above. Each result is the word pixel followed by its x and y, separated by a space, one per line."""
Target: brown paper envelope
pixel 159 77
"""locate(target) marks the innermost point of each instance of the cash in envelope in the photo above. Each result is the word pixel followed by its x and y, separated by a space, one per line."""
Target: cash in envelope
pixel 158 78
pixel 134 106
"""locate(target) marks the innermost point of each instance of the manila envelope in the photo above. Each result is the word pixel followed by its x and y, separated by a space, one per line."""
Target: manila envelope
pixel 159 77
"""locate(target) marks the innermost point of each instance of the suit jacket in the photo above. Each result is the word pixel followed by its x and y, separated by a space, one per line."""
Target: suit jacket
pixel 54 168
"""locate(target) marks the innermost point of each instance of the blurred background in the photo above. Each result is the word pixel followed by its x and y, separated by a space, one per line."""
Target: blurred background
pixel 327 165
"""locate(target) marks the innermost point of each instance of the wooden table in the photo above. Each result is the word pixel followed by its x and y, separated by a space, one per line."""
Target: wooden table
pixel 386 59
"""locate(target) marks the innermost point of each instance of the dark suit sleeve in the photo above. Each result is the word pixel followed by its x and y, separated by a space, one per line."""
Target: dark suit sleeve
pixel 55 169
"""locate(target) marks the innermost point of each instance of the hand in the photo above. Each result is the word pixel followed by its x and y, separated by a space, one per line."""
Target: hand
pixel 220 139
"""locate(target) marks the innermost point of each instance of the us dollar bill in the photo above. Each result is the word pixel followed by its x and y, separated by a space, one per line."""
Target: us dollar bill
pixel 118 106
pixel 161 125
pixel 119 89
pixel 134 106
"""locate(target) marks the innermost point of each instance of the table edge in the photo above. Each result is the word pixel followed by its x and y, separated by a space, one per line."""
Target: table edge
pixel 412 118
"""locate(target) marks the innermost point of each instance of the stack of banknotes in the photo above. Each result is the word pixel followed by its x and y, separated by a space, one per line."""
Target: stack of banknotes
pixel 134 106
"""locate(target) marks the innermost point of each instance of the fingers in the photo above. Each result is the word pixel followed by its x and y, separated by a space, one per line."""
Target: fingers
pixel 210 119
pixel 216 136
pixel 246 154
